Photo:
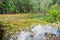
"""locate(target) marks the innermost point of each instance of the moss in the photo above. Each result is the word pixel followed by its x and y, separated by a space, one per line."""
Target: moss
pixel 13 22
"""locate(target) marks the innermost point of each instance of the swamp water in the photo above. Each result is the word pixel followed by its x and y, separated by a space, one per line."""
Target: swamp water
pixel 38 32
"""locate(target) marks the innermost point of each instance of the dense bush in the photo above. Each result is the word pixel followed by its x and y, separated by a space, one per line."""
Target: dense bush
pixel 54 12
pixel 25 5
pixel 8 6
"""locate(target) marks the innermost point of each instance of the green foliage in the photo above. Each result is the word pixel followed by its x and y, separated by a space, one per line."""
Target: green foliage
pixel 12 8
pixel 49 19
pixel 30 6
pixel 10 5
pixel 54 12
pixel 1 3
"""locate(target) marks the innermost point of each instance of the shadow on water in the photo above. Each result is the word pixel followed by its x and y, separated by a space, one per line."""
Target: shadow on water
pixel 1 32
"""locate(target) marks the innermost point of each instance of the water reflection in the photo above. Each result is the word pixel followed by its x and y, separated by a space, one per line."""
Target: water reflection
pixel 38 32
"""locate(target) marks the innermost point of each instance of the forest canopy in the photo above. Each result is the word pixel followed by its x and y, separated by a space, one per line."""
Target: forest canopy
pixel 22 6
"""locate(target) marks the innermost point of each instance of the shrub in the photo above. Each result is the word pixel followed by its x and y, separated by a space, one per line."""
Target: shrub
pixel 54 13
